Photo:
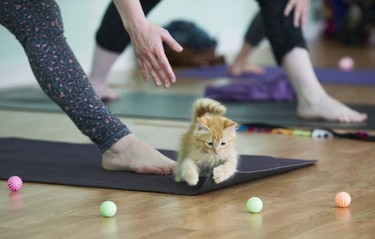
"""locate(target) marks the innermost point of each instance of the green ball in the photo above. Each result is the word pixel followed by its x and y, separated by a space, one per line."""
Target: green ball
pixel 108 209
pixel 254 205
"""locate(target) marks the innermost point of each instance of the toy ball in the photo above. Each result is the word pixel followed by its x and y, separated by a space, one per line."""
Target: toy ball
pixel 346 63
pixel 343 199
pixel 254 205
pixel 108 209
pixel 15 183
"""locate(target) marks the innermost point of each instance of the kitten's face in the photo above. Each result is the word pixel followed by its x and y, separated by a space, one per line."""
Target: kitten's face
pixel 215 133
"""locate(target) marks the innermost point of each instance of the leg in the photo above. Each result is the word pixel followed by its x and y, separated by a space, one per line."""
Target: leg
pixel 313 101
pixel 289 48
pixel 39 28
pixel 255 34
pixel 224 171
pixel 188 172
pixel 111 41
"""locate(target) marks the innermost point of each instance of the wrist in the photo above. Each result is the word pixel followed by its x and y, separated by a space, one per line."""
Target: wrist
pixel 131 13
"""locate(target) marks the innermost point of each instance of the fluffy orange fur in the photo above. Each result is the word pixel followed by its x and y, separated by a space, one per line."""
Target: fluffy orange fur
pixel 208 146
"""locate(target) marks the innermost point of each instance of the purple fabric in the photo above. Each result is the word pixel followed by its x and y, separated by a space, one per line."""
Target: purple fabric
pixel 273 89
pixel 325 75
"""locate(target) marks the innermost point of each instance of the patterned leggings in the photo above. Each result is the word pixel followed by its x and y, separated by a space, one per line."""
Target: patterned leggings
pixel 38 26
pixel 270 22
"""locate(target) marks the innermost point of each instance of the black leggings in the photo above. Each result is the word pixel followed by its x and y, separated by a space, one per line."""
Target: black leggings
pixel 280 30
pixel 111 34
pixel 38 26
pixel 255 32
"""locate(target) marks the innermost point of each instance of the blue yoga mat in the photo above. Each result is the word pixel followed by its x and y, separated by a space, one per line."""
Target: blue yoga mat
pixel 325 75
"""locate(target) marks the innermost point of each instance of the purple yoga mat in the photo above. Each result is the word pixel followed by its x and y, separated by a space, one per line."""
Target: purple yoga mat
pixel 325 75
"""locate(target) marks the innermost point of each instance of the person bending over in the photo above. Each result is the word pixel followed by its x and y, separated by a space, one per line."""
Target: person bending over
pixel 38 26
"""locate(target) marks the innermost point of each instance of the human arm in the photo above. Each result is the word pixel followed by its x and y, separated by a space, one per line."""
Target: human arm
pixel 147 42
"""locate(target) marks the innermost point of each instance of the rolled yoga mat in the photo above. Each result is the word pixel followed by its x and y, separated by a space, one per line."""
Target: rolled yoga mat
pixel 71 164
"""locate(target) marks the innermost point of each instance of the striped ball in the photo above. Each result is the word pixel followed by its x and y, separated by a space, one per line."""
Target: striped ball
pixel 343 199
pixel 15 183
pixel 108 209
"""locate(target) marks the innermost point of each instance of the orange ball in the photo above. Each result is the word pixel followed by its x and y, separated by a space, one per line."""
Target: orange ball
pixel 343 199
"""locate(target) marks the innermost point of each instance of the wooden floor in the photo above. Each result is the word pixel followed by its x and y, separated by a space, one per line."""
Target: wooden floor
pixel 298 204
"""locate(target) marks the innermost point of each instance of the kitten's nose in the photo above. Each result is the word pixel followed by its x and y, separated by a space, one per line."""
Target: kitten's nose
pixel 216 151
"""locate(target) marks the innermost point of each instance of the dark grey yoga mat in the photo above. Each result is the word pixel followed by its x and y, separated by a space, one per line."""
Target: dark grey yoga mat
pixel 79 165
pixel 177 107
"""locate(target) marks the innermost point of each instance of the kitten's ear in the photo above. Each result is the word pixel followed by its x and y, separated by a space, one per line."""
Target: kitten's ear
pixel 230 126
pixel 201 124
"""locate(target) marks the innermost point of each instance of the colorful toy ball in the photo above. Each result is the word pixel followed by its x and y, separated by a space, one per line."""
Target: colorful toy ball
pixel 15 183
pixel 254 205
pixel 343 199
pixel 108 209
pixel 346 63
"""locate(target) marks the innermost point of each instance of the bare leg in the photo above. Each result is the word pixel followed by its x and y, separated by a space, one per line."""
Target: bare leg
pixel 313 100
pixel 241 63
pixel 101 65
pixel 131 154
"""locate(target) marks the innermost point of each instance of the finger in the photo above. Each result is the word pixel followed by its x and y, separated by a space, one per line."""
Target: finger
pixel 297 16
pixel 143 70
pixel 158 68
pixel 161 66
pixel 165 69
pixel 169 74
pixel 151 69
pixel 289 7
pixel 171 42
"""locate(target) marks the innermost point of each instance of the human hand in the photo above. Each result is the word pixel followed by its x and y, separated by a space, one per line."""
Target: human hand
pixel 301 11
pixel 147 42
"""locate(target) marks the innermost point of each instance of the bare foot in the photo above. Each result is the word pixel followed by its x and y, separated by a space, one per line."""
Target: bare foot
pixel 131 154
pixel 104 92
pixel 241 65
pixel 327 108
pixel 313 100
pixel 239 68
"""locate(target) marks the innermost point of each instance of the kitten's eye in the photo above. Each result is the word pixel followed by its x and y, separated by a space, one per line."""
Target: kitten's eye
pixel 210 144
pixel 223 143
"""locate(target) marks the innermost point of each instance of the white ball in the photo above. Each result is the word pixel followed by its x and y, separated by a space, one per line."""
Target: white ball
pixel 346 63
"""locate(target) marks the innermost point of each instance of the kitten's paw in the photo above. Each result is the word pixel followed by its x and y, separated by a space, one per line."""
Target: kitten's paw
pixel 220 174
pixel 177 178
pixel 192 179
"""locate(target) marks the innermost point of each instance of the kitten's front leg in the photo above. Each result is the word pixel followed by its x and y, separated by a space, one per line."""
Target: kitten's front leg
pixel 189 172
pixel 224 171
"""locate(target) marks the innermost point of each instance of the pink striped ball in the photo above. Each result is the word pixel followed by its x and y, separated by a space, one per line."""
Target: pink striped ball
pixel 15 183
pixel 343 199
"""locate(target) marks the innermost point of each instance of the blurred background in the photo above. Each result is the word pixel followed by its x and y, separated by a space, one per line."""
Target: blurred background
pixel 226 21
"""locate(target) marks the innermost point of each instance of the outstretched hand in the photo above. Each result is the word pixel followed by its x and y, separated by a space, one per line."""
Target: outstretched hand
pixel 147 41
pixel 301 11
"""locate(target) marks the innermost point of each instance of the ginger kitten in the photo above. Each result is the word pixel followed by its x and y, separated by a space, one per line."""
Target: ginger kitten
pixel 208 146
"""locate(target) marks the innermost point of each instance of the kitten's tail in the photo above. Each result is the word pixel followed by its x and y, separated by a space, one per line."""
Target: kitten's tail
pixel 204 106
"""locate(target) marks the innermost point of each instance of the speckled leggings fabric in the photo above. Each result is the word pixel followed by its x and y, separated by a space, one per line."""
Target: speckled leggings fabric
pixel 38 26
